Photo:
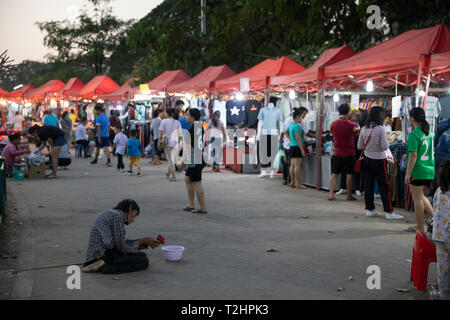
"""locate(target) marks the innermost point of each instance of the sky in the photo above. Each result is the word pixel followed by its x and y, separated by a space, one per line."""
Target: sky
pixel 23 39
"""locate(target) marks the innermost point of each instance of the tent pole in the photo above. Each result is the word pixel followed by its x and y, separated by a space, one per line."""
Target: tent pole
pixel 426 91
pixel 319 117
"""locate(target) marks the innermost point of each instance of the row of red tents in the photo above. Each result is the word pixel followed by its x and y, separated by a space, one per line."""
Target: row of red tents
pixel 406 59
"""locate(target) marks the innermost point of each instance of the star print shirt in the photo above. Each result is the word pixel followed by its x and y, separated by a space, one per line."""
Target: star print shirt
pixel 441 213
pixel 235 112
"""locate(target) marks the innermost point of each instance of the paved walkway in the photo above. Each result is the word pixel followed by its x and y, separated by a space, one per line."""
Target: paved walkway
pixel 225 254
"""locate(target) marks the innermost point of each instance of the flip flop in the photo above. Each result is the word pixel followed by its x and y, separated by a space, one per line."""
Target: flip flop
pixel 410 229
pixel 188 209
pixel 199 211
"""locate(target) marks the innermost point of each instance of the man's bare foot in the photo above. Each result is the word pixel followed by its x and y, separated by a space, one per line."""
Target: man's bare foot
pixel 331 198
pixel 351 198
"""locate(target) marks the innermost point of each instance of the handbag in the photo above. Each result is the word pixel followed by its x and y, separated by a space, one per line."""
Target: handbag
pixel 358 163
pixel 165 140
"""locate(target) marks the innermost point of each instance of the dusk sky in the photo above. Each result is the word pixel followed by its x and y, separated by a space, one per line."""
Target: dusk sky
pixel 23 39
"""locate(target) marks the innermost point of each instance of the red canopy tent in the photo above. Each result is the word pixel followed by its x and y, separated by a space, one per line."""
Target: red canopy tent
pixel 4 94
pixel 20 93
pixel 204 80
pixel 73 86
pixel 124 92
pixel 168 78
pixel 97 86
pixel 311 75
pixel 406 55
pixel 41 93
pixel 258 74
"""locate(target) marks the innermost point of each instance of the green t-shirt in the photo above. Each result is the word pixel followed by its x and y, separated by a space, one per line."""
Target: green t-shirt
pixel 293 129
pixel 423 145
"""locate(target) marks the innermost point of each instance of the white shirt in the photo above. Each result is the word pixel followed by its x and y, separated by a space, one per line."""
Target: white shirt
pixel 121 141
pixel 18 120
pixel 80 133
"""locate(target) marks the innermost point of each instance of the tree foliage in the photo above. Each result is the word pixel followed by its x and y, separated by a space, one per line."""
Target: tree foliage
pixel 90 40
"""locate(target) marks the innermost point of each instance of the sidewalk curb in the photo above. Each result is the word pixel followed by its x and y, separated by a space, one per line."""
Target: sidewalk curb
pixel 23 286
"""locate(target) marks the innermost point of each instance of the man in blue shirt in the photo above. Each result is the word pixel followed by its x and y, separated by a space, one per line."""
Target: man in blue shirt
pixel 50 119
pixel 102 139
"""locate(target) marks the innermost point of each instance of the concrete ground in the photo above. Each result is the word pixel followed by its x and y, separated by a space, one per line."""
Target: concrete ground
pixel 321 246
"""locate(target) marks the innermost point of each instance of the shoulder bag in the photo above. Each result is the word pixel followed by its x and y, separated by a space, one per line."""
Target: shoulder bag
pixel 358 163
pixel 165 140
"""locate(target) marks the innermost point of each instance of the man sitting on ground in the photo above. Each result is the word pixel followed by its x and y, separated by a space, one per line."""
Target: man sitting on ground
pixel 108 250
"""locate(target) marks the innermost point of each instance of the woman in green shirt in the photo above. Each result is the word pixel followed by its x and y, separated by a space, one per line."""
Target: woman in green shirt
pixel 420 171
pixel 297 151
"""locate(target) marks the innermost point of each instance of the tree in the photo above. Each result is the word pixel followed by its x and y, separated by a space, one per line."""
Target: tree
pixel 90 40
pixel 5 64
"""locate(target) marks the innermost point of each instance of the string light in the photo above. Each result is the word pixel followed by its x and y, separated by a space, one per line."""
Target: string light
pixel 239 96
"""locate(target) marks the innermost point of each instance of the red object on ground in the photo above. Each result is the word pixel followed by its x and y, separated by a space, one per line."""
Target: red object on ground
pixel 203 80
pixel 161 239
pixel 424 252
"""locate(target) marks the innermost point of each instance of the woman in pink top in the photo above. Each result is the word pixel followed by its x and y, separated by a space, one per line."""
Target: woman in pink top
pixel 11 151
pixel 374 166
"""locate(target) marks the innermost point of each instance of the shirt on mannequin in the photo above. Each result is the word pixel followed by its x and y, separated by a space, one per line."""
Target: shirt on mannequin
pixel 270 117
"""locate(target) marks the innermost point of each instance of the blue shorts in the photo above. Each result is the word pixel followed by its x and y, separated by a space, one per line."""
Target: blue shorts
pixel 106 142
pixel 60 141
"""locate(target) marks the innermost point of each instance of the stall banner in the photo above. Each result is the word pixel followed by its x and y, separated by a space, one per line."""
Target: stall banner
pixel 396 106
pixel 145 89
pixel 354 103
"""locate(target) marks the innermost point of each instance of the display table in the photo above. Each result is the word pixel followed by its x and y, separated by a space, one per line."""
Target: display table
pixel 309 171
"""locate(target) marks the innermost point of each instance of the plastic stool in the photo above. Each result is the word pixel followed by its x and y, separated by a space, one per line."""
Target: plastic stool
pixel 424 252
pixel 79 152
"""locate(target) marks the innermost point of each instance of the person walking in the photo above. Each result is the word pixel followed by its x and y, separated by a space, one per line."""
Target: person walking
pixel 216 135
pixel 344 131
pixel 156 123
pixel 67 127
pixel 134 153
pixel 169 136
pixel 373 141
pixel 297 149
pixel 81 137
pixel 420 170
pixel 120 144
pixel 102 139
pixel 195 163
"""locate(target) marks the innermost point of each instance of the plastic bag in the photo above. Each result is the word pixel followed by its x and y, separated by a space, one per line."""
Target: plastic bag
pixel 277 163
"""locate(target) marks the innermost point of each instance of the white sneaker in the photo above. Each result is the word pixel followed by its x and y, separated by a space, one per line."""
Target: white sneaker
pixel 272 174
pixel 342 191
pixel 377 195
pixel 263 174
pixel 372 213
pixel 358 193
pixel 393 216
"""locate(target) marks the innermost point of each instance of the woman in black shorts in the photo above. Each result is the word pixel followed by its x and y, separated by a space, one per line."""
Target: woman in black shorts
pixel 53 138
pixel 297 151
pixel 193 178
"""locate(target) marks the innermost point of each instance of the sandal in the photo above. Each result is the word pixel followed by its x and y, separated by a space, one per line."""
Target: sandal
pixel 410 229
pixel 189 209
pixel 199 211
pixel 172 179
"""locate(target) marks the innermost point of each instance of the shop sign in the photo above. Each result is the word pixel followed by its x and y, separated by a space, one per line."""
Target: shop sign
pixel 144 88
pixel 396 106
pixel 245 84
pixel 354 103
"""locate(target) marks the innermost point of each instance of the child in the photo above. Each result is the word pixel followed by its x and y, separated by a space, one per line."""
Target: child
pixel 11 151
pixel 120 144
pixel 441 229
pixel 134 152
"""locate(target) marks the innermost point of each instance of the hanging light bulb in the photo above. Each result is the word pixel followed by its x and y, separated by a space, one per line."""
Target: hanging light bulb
pixel 239 96
pixel 336 97
pixel 369 86
pixel 292 94
pixel 421 91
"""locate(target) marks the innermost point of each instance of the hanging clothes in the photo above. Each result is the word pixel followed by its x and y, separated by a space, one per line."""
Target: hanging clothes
pixel 432 111
pixel 235 112
pixel 284 106
pixel 252 108
pixel 221 105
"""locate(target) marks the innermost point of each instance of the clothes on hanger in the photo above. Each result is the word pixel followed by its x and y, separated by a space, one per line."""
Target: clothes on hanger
pixel 432 111
pixel 252 109
pixel 235 112
pixel 221 105
pixel 285 107
pixel 270 117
